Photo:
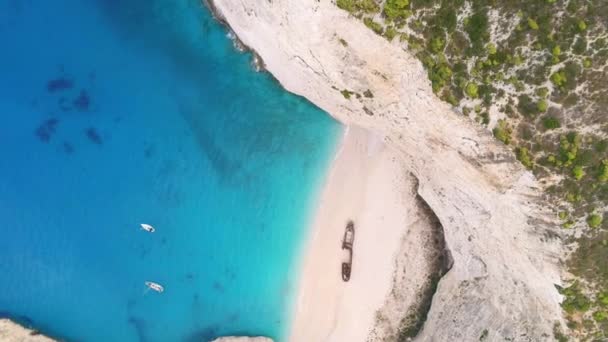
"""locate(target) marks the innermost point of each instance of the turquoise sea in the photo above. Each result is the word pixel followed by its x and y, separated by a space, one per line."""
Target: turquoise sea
pixel 121 112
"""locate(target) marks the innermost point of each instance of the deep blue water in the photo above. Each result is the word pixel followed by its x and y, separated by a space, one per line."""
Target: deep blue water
pixel 121 112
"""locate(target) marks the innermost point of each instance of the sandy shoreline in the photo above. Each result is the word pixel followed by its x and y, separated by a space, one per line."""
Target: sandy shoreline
pixel 367 184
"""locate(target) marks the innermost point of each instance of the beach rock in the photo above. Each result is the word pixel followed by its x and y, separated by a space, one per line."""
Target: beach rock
pixel 502 239
pixel 13 332
pixel 242 339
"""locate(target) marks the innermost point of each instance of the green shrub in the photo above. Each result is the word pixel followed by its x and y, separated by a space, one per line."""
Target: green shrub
pixel 542 92
pixel 502 131
pixel 390 33
pixel 477 29
pixel 347 5
pixel 587 63
pixel 600 316
pixel 346 93
pixel 559 78
pixel 437 44
pixel 602 297
pixel 578 173
pixel 523 155
pixel 491 49
pixel 374 26
pixel 550 122
pixel 581 25
pixel 354 6
pixel 472 90
pixel 396 9
pixel 440 75
pixel 603 174
pixel 575 300
pixel 542 105
pixel 532 24
pixel 594 220
pixel 568 148
pixel 526 106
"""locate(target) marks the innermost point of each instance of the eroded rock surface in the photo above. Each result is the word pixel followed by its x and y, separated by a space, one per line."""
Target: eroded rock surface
pixel 12 332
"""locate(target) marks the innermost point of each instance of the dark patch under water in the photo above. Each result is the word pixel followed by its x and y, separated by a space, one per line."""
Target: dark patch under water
pixel 68 148
pixel 218 286
pixel 82 102
pixel 45 131
pixel 63 104
pixel 206 334
pixel 93 136
pixel 149 151
pixel 59 84
pixel 140 328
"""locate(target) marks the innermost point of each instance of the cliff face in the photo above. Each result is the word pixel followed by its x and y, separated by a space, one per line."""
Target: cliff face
pixel 501 284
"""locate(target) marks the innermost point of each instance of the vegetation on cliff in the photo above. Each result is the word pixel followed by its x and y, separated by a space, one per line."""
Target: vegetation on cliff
pixel 534 72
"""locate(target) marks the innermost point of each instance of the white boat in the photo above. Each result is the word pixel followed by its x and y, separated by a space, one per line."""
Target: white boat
pixel 155 286
pixel 147 228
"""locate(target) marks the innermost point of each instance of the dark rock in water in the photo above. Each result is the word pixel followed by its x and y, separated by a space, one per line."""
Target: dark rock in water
pixel 46 130
pixel 68 148
pixel 59 84
pixel 82 102
pixel 93 136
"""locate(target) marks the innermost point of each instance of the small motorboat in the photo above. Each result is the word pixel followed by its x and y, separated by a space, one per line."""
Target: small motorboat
pixel 147 228
pixel 155 286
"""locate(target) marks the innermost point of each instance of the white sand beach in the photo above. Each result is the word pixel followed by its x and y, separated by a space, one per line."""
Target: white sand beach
pixel 366 184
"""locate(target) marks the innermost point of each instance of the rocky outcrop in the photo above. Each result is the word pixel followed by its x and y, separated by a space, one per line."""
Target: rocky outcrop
pixel 242 339
pixel 501 284
pixel 13 332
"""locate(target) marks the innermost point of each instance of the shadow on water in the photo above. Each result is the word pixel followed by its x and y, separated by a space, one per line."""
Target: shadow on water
pixel 160 25
pixel 208 333
pixel 140 328
pixel 225 168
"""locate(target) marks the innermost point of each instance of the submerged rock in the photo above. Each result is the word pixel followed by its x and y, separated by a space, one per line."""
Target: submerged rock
pixel 45 131
pixel 59 84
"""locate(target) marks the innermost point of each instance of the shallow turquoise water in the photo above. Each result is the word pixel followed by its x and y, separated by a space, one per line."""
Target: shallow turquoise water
pixel 116 113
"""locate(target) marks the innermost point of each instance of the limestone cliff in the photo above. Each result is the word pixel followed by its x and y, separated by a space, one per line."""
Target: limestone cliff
pixel 505 254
